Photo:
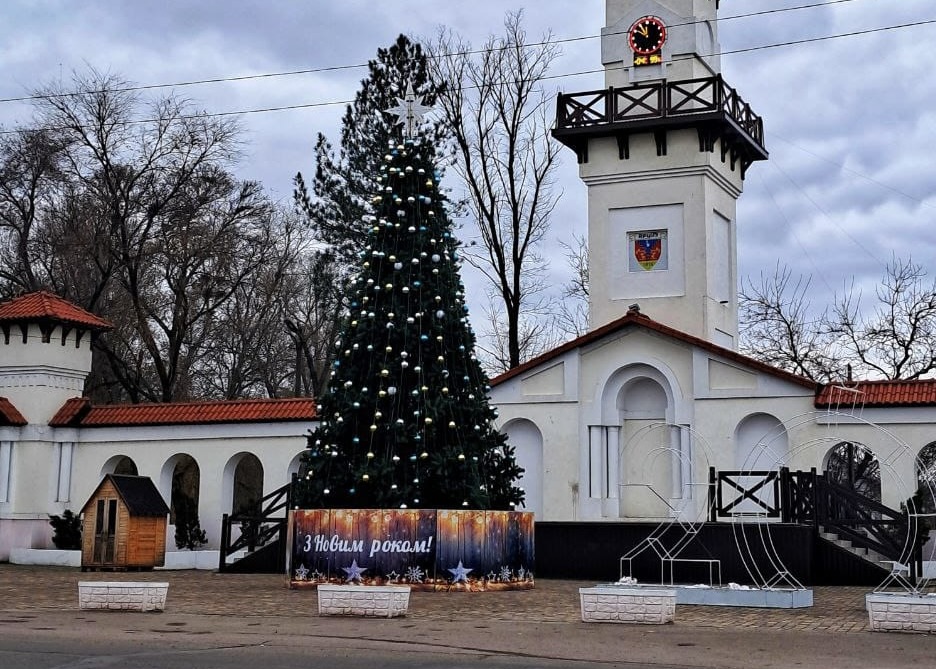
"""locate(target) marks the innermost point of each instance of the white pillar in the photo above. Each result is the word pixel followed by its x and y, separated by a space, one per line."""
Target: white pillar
pixel 685 450
pixel 6 469
pixel 65 450
pixel 675 446
pixel 613 450
pixel 595 458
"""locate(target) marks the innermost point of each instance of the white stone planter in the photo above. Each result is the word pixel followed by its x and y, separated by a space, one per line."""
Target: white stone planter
pixel 642 605
pixel 191 560
pixel 122 595
pixel 46 557
pixel 900 612
pixel 380 601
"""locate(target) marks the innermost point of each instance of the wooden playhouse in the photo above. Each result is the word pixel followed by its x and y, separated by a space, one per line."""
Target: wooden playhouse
pixel 124 525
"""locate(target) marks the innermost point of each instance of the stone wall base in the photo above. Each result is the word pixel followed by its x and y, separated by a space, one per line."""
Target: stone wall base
pixel 899 612
pixel 380 601
pixel 122 595
pixel 613 604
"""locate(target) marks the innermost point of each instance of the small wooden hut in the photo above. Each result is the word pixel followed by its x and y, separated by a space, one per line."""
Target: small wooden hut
pixel 124 525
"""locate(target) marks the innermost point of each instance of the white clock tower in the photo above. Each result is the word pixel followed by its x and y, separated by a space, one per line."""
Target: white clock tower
pixel 663 150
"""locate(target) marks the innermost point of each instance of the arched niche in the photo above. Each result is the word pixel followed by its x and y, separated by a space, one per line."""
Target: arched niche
pixel 180 483
pixel 295 465
pixel 241 482
pixel 122 465
pixel 761 443
pixel 647 457
pixel 856 467
pixel 527 441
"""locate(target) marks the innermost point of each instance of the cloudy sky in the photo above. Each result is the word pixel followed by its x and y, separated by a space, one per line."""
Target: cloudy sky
pixel 850 121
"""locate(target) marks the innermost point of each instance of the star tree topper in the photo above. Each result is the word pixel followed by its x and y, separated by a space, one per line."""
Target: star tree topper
pixel 409 111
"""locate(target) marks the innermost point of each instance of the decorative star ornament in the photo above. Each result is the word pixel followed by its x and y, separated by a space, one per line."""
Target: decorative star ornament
pixel 354 572
pixel 409 111
pixel 460 573
pixel 302 573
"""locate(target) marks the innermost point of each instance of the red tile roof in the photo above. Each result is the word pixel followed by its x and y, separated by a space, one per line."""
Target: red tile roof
pixel 637 320
pixel 79 412
pixel 9 415
pixel 45 306
pixel 878 394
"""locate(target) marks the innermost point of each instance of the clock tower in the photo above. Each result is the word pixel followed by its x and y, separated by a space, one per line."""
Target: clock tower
pixel 663 150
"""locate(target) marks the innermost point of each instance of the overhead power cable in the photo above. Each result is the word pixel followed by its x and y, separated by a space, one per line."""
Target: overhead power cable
pixel 312 105
pixel 338 68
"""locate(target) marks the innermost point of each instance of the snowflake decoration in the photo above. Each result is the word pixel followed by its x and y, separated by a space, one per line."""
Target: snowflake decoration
pixel 505 573
pixel 415 574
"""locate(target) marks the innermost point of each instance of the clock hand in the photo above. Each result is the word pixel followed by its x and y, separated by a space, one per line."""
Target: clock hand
pixel 644 30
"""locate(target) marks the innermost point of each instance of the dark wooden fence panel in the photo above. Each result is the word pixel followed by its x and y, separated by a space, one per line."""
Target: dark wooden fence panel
pixel 591 551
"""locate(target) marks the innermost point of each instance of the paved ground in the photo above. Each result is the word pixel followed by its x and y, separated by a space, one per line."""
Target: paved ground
pixel 203 592
pixel 40 625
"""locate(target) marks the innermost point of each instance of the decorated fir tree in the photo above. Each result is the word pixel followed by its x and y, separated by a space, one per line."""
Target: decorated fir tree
pixel 405 421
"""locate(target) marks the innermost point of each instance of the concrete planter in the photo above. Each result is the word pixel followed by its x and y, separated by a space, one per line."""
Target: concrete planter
pixel 45 557
pixel 639 605
pixel 122 595
pixel 207 560
pixel 900 612
pixel 386 601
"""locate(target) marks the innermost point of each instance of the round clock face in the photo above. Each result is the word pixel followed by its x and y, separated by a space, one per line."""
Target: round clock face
pixel 647 35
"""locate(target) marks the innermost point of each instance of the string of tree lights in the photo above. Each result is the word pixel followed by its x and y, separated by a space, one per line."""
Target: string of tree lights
pixel 405 421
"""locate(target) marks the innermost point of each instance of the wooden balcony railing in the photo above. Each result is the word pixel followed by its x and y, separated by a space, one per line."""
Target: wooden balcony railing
pixel 707 103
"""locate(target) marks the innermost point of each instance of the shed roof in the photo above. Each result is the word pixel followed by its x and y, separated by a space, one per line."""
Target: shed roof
pixel 139 493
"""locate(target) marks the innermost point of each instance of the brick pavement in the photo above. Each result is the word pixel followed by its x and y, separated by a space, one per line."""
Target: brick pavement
pixel 836 609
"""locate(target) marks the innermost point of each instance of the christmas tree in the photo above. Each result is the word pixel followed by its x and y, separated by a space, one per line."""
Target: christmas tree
pixel 405 421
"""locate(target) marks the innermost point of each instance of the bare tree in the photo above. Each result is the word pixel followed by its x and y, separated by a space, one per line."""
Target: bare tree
pixel 500 117
pixel 535 333
pixel 895 339
pixel 313 319
pixel 779 327
pixel 30 182
pixel 572 314
pixel 127 207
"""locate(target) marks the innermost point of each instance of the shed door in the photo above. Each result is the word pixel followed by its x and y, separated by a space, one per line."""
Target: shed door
pixel 105 530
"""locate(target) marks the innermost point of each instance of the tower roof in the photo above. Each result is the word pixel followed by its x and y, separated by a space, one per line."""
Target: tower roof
pixel 9 414
pixel 43 306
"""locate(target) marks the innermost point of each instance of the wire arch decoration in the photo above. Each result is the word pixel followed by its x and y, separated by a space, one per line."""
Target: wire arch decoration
pixel 893 454
pixel 758 549
pixel 688 515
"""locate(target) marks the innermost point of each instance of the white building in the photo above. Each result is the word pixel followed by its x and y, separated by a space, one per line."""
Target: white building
pixel 623 423
pixel 55 447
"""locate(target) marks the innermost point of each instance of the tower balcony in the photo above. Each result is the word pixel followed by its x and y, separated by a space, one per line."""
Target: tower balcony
pixel 708 105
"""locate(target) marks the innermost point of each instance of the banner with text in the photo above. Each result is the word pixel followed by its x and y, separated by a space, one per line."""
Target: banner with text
pixel 424 548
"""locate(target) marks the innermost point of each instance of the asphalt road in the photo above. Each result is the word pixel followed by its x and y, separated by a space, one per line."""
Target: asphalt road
pixel 82 640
